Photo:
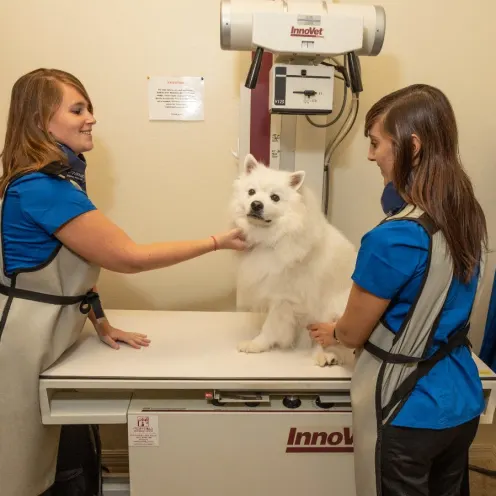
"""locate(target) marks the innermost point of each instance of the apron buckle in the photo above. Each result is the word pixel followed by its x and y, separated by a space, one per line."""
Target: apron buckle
pixel 90 301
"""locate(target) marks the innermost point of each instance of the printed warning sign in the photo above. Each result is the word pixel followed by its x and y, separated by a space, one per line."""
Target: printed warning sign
pixel 176 98
pixel 143 430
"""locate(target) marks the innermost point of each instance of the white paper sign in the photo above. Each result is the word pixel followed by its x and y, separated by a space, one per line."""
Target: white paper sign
pixel 142 430
pixel 176 98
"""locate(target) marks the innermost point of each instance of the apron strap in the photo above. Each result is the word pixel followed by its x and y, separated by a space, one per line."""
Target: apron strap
pixel 91 300
pixel 388 357
pixel 459 338
pixel 87 301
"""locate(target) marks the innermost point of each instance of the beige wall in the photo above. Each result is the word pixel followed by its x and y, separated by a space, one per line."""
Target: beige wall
pixel 167 180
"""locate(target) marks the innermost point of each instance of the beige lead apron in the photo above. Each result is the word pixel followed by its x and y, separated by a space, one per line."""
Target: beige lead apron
pixel 42 313
pixel 389 365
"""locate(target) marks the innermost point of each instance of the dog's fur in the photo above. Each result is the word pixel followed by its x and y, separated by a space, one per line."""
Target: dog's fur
pixel 298 268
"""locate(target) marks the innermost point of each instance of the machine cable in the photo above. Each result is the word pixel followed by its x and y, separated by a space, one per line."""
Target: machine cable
pixel 350 69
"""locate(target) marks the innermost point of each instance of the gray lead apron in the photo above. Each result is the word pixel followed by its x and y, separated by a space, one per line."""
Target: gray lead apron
pixel 42 311
pixel 389 365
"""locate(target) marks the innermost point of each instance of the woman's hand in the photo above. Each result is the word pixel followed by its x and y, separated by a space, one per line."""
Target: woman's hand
pixel 323 333
pixel 232 240
pixel 111 336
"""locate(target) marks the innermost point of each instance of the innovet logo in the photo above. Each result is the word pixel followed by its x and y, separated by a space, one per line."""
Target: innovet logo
pixel 340 441
pixel 311 32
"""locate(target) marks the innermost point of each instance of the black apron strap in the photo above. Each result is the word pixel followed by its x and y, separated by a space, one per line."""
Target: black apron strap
pixel 388 357
pixel 87 301
pixel 425 365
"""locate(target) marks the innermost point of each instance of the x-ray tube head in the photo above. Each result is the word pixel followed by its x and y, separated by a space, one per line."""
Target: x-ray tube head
pixel 302 27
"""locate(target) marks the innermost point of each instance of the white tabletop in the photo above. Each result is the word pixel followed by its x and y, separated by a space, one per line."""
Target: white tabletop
pixel 192 345
pixel 186 345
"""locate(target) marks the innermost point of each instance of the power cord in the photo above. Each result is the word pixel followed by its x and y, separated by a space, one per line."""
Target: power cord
pixel 332 145
pixel 345 78
pixel 483 471
pixel 328 124
pixel 351 75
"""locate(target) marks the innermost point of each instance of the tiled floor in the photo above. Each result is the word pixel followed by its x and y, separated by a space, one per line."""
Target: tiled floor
pixel 482 485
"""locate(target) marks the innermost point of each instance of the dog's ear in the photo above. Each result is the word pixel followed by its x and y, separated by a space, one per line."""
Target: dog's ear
pixel 296 179
pixel 250 163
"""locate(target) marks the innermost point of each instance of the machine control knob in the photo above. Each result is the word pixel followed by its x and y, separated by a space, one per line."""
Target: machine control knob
pixel 322 404
pixel 308 93
pixel 291 402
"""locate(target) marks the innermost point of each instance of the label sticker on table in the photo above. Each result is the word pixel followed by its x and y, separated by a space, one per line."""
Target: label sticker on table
pixel 143 430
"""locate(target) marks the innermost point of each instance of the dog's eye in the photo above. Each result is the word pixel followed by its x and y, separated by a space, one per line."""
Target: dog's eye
pixel 251 192
pixel 274 198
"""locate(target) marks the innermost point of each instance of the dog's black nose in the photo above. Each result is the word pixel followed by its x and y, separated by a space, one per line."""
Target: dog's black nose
pixel 256 206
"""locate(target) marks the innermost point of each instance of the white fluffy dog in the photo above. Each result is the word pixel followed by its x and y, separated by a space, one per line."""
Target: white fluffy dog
pixel 298 268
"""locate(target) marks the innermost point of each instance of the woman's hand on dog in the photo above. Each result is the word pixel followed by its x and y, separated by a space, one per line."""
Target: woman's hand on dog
pixel 232 240
pixel 323 333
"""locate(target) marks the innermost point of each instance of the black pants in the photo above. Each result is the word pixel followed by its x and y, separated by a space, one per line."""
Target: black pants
pixel 424 462
pixel 73 485
pixel 77 463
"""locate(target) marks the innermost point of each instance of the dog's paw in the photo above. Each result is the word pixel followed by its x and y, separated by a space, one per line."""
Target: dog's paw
pixel 253 346
pixel 322 359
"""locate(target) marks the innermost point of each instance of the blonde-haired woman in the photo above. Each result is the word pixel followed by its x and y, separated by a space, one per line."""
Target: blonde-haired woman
pixel 54 242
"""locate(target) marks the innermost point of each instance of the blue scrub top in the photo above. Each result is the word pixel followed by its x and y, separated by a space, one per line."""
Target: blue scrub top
pixel 391 263
pixel 34 207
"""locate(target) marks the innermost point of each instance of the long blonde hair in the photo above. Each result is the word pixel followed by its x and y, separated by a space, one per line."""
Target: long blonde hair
pixel 35 98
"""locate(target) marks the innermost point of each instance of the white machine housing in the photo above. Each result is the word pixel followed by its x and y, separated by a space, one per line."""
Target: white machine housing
pixel 311 28
pixel 301 89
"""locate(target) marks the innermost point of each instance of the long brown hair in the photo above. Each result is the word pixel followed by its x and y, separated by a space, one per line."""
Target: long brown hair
pixel 35 98
pixel 434 179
